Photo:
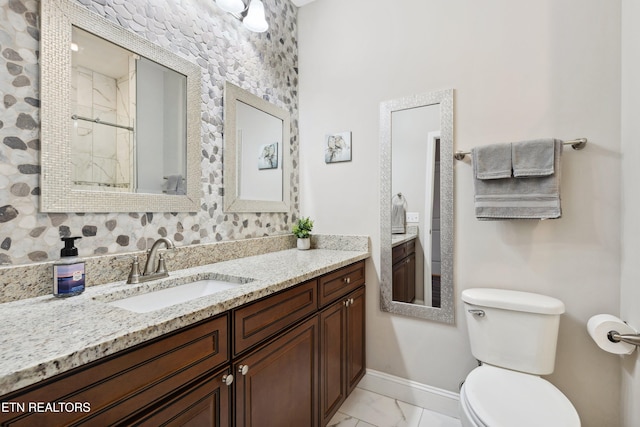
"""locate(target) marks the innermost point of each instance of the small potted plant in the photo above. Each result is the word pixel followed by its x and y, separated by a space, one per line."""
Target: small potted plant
pixel 302 229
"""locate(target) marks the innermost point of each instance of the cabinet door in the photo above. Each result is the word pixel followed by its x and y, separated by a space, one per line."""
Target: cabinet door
pixel 356 362
pixel 342 347
pixel 332 356
pixel 277 384
pixel 399 282
pixel 206 403
pixel 411 277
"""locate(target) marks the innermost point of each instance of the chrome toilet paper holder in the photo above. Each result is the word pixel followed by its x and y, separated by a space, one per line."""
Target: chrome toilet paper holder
pixel 633 339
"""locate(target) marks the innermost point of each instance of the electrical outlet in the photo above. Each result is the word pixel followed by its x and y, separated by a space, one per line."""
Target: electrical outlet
pixel 413 217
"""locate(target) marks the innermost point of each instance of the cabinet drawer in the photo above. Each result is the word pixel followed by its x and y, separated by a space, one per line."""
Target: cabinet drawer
pixel 257 321
pixel 128 382
pixel 403 250
pixel 339 283
pixel 206 403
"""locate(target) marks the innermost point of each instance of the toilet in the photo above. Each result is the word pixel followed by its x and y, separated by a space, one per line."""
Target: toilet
pixel 513 334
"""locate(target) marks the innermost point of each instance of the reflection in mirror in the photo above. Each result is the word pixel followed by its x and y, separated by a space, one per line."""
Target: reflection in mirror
pixel 259 148
pixel 120 118
pixel 417 206
pixel 415 179
pixel 103 113
pixel 257 168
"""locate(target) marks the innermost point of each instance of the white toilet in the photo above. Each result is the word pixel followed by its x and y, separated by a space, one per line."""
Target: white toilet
pixel 514 335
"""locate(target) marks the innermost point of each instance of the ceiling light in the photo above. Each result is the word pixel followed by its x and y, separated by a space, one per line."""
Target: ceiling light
pixel 232 6
pixel 255 20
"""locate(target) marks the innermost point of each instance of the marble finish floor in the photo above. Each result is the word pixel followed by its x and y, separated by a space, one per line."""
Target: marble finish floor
pixel 367 409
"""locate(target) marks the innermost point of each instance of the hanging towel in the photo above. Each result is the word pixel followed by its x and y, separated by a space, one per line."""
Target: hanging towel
pixel 171 184
pixel 533 158
pixel 492 161
pixel 398 215
pixel 536 197
pixel 181 188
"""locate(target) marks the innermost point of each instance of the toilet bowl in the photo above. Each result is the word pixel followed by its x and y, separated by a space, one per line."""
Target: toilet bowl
pixel 513 334
pixel 496 397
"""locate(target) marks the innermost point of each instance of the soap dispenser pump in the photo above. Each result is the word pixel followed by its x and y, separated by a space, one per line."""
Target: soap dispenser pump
pixel 68 273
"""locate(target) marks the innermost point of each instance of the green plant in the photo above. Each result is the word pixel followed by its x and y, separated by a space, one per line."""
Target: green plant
pixel 302 228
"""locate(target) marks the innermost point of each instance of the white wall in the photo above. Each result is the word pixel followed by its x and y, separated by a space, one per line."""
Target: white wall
pixel 520 70
pixel 630 284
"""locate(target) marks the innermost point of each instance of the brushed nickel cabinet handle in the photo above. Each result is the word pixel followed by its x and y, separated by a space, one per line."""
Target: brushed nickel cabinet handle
pixel 227 379
pixel 243 369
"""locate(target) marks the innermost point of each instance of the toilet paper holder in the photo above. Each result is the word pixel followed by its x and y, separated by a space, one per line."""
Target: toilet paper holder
pixel 633 339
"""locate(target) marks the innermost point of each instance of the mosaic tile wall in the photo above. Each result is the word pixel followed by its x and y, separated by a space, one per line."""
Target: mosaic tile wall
pixel 265 64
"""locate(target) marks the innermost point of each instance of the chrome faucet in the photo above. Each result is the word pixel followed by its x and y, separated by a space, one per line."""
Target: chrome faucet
pixel 153 269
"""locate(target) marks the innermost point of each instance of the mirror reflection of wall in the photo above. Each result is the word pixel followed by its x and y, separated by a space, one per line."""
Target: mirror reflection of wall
pixel 160 151
pixel 103 113
pixel 415 173
pixel 128 118
pixel 259 145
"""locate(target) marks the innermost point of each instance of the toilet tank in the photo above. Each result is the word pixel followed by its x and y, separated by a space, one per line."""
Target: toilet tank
pixel 512 329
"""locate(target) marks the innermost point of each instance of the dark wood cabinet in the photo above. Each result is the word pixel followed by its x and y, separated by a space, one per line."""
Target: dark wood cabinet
pixel 119 388
pixel 289 359
pixel 342 361
pixel 257 321
pixel 205 403
pixel 404 272
pixel 277 384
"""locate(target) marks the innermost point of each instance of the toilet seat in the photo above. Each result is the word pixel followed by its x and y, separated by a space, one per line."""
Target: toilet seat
pixel 496 397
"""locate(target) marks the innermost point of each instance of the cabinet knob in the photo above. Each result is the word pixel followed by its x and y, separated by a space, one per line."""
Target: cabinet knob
pixel 243 369
pixel 350 301
pixel 347 280
pixel 345 303
pixel 227 379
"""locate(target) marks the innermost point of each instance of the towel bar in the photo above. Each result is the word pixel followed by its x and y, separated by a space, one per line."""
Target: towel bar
pixel 576 144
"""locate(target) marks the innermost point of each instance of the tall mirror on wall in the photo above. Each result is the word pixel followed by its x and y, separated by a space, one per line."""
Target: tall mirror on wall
pixel 257 166
pixel 120 118
pixel 417 206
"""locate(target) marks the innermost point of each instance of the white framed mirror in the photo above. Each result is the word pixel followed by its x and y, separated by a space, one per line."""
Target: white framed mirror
pixel 120 118
pixel 416 209
pixel 257 165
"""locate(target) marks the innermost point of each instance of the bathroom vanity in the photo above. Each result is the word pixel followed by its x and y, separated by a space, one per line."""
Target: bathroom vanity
pixel 287 347
pixel 403 267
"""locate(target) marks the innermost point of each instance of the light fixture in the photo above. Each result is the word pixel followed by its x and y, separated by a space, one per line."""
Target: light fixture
pixel 252 16
pixel 232 6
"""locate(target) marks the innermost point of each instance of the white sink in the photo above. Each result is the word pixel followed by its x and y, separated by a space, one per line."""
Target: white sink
pixel 178 294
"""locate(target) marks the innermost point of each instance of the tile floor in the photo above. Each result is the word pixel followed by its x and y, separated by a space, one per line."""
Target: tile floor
pixel 367 409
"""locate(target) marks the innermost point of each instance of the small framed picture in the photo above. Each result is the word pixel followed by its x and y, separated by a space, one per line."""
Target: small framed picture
pixel 268 158
pixel 337 147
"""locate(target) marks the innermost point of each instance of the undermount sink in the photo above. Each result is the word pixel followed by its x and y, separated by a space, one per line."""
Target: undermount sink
pixel 177 293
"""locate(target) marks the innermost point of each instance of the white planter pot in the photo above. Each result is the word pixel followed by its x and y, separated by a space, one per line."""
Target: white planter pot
pixel 304 244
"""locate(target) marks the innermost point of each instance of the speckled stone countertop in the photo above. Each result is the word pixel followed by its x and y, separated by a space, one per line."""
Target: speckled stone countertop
pixel 397 239
pixel 44 336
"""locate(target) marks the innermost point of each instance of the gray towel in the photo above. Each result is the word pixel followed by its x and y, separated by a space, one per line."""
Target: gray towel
pixel 398 215
pixel 173 184
pixel 533 158
pixel 533 197
pixel 492 161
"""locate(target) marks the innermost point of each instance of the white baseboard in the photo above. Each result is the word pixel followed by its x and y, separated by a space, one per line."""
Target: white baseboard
pixel 415 393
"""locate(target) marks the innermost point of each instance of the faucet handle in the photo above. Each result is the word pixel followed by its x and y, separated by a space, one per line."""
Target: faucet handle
pixel 134 275
pixel 162 268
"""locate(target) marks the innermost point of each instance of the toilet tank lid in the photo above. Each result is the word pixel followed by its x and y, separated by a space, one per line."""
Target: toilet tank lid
pixel 513 300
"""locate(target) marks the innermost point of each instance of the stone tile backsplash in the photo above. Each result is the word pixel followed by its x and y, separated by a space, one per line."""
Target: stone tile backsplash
pixel 264 64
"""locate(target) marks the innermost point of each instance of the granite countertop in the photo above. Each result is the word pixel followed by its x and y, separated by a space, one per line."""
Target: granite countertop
pixel 44 336
pixel 397 239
